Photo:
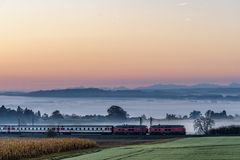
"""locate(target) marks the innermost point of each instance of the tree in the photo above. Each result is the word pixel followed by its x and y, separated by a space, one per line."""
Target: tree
pixel 3 111
pixel 38 114
pixel 28 115
pixel 45 116
pixel 185 117
pixel 56 115
pixel 195 114
pixel 20 111
pixel 171 117
pixel 209 113
pixel 51 133
pixel 214 115
pixel 117 113
pixel 144 117
pixel 203 124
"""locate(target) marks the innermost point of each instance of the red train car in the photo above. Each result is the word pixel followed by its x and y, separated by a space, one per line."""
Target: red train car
pixel 167 130
pixel 130 129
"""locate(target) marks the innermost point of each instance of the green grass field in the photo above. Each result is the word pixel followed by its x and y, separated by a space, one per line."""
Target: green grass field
pixel 215 148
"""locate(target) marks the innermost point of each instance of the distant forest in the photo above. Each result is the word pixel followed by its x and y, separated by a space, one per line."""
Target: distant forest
pixel 179 93
pixel 114 114
pixel 221 93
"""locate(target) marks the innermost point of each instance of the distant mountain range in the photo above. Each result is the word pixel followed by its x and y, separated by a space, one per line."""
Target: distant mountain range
pixel 161 91
pixel 201 85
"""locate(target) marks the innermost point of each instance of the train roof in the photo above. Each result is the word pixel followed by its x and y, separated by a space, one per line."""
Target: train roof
pixel 167 126
pixel 45 125
pixel 130 126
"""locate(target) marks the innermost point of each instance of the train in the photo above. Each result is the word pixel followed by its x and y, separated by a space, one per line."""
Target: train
pixel 95 129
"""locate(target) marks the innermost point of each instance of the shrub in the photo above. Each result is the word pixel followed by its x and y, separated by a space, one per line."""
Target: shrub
pixel 51 134
pixel 226 130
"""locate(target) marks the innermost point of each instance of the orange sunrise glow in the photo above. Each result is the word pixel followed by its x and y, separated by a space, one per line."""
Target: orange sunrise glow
pixel 69 43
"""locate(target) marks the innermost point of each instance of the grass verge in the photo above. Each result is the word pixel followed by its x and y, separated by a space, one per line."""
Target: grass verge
pixel 205 148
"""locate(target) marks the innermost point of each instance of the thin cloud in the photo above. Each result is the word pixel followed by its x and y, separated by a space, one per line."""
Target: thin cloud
pixel 2 2
pixel 188 19
pixel 183 4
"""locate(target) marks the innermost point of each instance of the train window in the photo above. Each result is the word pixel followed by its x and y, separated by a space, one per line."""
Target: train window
pixel 106 129
pixel 40 128
pixel 80 129
pixel 100 128
pixel 32 128
pixel 93 129
pixel 88 128
pixel 71 128
pixel 84 129
pixel 97 129
pixel 36 128
pixel 76 129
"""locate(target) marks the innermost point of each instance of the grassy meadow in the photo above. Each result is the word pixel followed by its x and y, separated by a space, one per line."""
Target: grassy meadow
pixel 207 148
pixel 15 149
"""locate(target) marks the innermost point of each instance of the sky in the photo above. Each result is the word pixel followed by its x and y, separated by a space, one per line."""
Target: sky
pixel 104 43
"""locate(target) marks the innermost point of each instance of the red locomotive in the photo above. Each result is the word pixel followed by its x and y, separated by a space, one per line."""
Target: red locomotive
pixel 167 130
pixel 130 129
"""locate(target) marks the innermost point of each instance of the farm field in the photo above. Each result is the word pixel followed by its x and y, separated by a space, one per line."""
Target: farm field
pixel 205 148
pixel 16 148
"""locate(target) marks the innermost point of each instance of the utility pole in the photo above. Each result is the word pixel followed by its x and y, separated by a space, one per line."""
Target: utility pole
pixel 19 121
pixel 141 121
pixel 151 121
pixel 32 121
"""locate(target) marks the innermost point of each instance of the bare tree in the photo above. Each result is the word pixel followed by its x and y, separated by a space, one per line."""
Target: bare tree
pixel 203 124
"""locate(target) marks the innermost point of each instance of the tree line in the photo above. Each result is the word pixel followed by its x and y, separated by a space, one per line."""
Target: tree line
pixel 28 116
pixel 197 114
pixel 114 113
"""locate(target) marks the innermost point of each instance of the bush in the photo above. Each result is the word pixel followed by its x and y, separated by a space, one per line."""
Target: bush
pixel 51 134
pixel 226 130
